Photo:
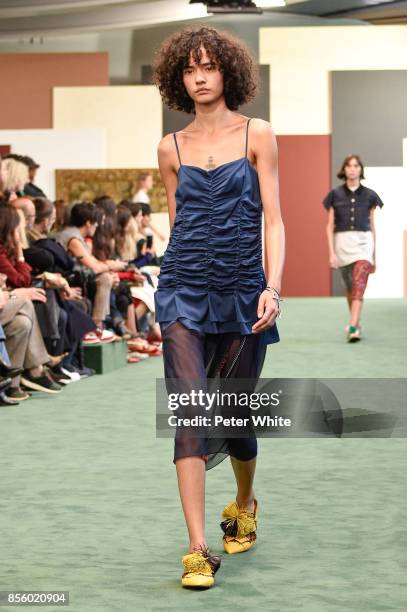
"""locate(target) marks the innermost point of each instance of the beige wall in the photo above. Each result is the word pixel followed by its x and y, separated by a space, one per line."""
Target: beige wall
pixel 131 115
pixel 301 58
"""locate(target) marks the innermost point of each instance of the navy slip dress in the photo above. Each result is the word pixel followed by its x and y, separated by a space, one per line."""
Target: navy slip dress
pixel 212 273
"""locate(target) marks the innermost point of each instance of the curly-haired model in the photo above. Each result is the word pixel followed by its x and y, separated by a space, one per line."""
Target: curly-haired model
pixel 215 303
pixel 231 56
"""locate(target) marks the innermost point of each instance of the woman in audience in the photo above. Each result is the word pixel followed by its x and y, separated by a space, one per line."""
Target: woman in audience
pixel 142 291
pixel 132 233
pixel 103 240
pixel 51 316
pixel 145 183
pixel 62 215
pixel 124 240
pixel 23 336
pixel 7 372
pixel 121 305
pixel 3 178
pixel 103 248
pixel 107 204
pixel 15 177
pixel 125 247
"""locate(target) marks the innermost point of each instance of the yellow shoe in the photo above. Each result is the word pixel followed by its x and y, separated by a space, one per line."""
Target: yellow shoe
pixel 200 567
pixel 239 527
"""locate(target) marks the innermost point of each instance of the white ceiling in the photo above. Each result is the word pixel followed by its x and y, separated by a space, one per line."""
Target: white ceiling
pixel 41 18
pixel 45 18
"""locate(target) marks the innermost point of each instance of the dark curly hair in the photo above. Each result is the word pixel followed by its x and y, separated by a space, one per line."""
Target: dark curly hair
pixel 236 62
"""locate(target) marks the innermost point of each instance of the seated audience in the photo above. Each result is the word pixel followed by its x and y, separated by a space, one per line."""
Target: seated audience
pixel 97 277
pixel 24 342
pixel 71 301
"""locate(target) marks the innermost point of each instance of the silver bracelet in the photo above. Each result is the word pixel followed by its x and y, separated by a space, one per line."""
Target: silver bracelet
pixel 273 288
pixel 277 297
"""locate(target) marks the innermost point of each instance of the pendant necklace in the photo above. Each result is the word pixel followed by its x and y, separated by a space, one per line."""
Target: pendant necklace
pixel 210 165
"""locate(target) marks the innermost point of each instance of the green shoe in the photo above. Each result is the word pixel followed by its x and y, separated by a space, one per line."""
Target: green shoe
pixel 354 334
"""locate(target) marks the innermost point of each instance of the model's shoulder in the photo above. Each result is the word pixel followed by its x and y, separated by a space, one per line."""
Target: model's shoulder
pixel 260 126
pixel 166 144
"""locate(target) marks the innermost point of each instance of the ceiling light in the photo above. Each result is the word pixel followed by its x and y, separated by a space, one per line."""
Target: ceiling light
pixel 238 6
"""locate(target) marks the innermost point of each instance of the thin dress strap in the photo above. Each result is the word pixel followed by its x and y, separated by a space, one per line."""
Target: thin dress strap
pixel 247 135
pixel 176 144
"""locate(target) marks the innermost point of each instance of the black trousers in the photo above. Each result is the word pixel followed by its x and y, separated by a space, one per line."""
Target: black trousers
pixel 194 356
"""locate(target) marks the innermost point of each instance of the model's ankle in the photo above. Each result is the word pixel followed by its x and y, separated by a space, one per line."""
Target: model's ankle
pixel 246 503
pixel 198 545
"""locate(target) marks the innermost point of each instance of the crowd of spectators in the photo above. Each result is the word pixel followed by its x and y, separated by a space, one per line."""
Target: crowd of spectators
pixel 71 275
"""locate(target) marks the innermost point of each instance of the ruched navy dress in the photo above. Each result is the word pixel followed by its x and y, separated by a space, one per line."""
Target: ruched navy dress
pixel 212 274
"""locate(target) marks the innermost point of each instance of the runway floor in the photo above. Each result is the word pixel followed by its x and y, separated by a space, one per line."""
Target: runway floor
pixel 89 500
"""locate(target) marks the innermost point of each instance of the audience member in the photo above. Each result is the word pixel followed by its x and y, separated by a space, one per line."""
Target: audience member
pixel 144 185
pixel 96 276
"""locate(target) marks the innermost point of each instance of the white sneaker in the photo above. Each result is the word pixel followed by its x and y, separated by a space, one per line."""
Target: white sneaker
pixel 359 327
pixel 354 336
pixel 105 336
pixel 74 376
pixel 100 335
pixel 90 338
pixel 139 355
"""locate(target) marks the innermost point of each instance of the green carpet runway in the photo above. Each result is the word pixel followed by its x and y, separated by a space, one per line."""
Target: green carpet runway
pixel 89 500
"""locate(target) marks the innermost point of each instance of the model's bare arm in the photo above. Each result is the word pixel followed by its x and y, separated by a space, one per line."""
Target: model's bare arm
pixel 266 152
pixel 372 225
pixel 330 237
pixel 168 173
pixel 264 145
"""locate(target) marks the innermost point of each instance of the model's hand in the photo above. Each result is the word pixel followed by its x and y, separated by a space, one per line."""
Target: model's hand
pixel 267 311
pixel 373 268
pixel 333 261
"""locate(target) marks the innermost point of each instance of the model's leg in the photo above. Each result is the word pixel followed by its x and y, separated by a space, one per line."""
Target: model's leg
pixel 249 366
pixel 183 352
pixel 191 485
pixel 349 299
pixel 243 451
pixel 360 275
pixel 355 312
pixel 244 474
pixel 346 273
